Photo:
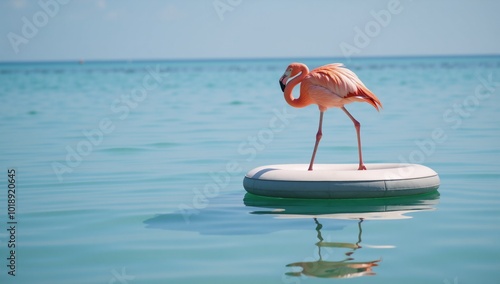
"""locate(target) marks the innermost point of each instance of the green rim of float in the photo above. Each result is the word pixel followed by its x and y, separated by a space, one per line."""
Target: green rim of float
pixel 337 181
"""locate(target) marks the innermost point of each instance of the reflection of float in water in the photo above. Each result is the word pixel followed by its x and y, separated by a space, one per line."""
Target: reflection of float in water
pixel 367 209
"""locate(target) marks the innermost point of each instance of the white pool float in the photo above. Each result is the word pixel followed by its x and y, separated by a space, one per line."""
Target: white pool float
pixel 341 180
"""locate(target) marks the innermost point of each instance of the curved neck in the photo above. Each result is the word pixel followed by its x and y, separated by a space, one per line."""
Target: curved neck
pixel 301 101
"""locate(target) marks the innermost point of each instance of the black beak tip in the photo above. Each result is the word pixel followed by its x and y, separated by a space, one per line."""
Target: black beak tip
pixel 282 86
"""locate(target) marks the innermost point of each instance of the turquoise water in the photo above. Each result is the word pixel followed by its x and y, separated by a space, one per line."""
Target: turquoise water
pixel 132 173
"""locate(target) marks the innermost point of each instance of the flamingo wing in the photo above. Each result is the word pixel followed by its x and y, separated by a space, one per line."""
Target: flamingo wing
pixel 335 85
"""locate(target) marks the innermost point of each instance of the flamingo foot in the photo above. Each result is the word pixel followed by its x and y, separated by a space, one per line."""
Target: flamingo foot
pixel 361 167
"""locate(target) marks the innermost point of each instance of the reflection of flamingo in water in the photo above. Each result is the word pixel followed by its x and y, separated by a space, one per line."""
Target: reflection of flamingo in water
pixel 335 269
pixel 331 85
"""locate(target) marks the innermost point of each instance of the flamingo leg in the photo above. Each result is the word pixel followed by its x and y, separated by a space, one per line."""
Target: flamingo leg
pixel 357 125
pixel 318 138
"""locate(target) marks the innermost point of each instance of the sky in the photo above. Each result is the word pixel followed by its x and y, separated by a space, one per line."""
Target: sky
pixel 48 30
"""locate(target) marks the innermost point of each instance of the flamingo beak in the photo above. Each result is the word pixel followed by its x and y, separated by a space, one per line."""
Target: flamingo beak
pixel 283 85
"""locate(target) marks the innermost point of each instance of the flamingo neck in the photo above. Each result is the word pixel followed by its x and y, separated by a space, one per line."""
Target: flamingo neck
pixel 302 100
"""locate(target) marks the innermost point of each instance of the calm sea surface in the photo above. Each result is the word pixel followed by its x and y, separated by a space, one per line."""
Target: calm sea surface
pixel 132 173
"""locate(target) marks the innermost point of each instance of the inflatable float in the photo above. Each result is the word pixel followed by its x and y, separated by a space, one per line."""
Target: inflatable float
pixel 331 181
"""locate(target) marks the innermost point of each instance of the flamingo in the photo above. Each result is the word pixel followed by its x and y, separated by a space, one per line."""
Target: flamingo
pixel 331 85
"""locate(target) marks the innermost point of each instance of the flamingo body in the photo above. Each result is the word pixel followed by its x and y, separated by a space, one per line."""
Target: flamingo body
pixel 327 86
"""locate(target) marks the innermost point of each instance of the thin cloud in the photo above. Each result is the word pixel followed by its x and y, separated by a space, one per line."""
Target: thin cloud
pixel 101 4
pixel 18 4
pixel 171 13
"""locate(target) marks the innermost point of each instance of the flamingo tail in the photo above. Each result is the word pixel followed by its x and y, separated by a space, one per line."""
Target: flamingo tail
pixel 367 96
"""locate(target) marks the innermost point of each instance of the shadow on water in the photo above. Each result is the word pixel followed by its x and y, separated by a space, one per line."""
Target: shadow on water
pixel 225 215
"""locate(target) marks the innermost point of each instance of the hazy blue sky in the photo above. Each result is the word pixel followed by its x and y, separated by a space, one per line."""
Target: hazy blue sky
pixel 177 29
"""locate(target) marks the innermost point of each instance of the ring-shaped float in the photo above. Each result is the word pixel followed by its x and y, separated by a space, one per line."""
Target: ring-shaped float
pixel 341 181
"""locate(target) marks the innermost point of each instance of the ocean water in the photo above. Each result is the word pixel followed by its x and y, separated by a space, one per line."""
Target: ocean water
pixel 131 172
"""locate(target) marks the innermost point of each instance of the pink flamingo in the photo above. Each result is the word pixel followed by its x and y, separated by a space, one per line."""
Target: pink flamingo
pixel 331 85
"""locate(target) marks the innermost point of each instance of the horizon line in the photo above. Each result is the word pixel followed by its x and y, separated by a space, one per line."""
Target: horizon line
pixel 136 60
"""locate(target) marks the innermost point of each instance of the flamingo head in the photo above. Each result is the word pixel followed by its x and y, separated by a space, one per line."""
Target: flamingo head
pixel 291 71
